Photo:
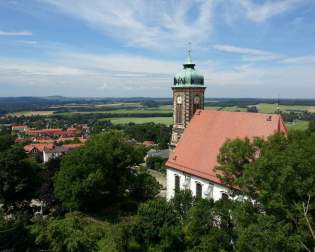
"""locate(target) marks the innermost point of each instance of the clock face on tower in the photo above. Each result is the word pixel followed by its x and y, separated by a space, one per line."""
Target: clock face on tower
pixel 196 100
pixel 179 100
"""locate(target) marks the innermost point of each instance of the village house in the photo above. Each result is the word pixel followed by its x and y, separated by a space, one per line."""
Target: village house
pixel 70 132
pixel 46 151
pixel 19 128
pixel 57 151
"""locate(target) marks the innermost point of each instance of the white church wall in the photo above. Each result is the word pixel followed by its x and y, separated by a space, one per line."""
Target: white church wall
pixel 187 181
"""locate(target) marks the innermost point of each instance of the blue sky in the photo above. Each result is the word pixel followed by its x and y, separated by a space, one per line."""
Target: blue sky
pixel 113 48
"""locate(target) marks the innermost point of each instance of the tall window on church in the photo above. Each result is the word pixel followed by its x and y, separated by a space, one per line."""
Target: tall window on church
pixel 179 110
pixel 196 104
pixel 198 190
pixel 177 183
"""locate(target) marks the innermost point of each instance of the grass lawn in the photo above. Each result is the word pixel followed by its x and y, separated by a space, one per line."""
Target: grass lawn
pixel 139 120
pixel 298 125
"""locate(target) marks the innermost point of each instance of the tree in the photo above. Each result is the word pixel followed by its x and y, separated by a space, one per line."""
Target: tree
pixel 279 178
pixel 252 109
pixel 13 232
pixel 182 202
pixel 18 178
pixel 156 163
pixel 156 221
pixel 6 141
pixel 74 232
pixel 311 126
pixel 97 173
pixel 234 157
pixel 143 186
pixel 46 189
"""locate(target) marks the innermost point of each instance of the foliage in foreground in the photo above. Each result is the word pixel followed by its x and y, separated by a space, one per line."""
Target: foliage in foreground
pixel 99 173
pixel 275 211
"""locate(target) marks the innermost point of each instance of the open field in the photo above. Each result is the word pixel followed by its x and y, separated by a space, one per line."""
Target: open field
pixel 233 108
pixel 119 111
pixel 297 125
pixel 137 108
pixel 212 108
pixel 271 108
pixel 137 113
pixel 31 113
pixel 138 120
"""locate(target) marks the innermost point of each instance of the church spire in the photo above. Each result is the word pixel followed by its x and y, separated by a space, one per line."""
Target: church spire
pixel 188 63
pixel 189 60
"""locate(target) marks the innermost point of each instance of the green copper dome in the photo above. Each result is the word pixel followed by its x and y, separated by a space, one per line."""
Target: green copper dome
pixel 188 76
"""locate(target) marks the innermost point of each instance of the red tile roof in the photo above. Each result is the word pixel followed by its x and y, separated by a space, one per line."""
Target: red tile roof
pixel 45 132
pixel 148 143
pixel 197 150
pixel 39 140
pixel 19 126
pixel 40 147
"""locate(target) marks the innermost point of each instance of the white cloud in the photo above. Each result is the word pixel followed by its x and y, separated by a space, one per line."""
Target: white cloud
pixel 262 12
pixel 143 23
pixel 79 74
pixel 27 42
pixel 120 63
pixel 30 68
pixel 247 53
pixel 15 33
pixel 302 60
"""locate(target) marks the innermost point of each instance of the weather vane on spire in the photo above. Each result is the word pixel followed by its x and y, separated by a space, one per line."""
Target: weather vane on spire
pixel 189 60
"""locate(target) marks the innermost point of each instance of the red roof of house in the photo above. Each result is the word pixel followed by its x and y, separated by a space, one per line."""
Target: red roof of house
pixel 46 131
pixel 148 143
pixel 43 140
pixel 18 126
pixel 40 147
pixel 197 150
pixel 21 140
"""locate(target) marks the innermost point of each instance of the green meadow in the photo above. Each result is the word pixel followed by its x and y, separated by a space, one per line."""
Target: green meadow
pixel 137 113
pixel 139 120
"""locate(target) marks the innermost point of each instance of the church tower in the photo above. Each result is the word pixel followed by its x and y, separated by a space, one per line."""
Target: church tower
pixel 188 96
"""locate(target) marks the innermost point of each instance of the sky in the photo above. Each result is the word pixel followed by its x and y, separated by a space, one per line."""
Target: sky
pixel 132 48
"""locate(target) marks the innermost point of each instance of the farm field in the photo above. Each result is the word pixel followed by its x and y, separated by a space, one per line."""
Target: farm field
pixel 297 125
pixel 31 113
pixel 134 108
pixel 139 120
pixel 271 108
pixel 136 112
pixel 119 111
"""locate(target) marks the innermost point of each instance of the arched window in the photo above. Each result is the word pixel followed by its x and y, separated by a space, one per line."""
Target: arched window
pixel 177 183
pixel 198 190
pixel 209 191
pixel 196 103
pixel 179 116
pixel 179 109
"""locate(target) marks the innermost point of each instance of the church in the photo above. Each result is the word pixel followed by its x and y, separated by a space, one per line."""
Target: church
pixel 198 134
